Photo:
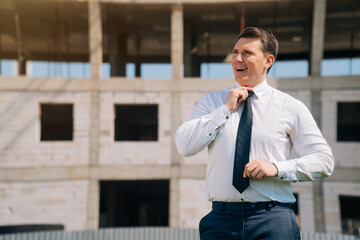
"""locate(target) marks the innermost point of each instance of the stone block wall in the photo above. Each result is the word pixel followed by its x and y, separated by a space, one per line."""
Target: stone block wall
pixel 62 203
pixel 187 105
pixel 347 154
pixel 20 144
pixel 332 191
pixel 48 201
pixel 132 152
pixel 193 204
pixel 305 200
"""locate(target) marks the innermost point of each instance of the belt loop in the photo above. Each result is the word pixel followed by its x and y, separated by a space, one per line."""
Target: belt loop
pixel 222 206
pixel 268 206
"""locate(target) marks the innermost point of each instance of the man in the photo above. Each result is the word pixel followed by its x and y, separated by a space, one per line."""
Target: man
pixel 250 130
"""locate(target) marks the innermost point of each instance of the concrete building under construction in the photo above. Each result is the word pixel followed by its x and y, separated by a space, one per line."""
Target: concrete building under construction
pixel 89 151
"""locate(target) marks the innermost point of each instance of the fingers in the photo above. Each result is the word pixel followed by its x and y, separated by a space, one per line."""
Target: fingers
pixel 245 174
pixel 243 94
pixel 242 91
pixel 255 173
pixel 235 97
pixel 250 170
pixel 258 169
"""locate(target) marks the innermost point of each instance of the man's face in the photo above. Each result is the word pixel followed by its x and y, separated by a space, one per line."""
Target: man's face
pixel 249 63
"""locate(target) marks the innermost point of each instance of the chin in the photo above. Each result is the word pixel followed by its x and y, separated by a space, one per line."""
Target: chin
pixel 242 81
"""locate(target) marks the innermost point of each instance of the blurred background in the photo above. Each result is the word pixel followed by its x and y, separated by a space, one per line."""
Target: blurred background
pixel 92 92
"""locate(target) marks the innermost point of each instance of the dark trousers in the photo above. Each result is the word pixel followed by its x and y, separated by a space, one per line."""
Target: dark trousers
pixel 249 221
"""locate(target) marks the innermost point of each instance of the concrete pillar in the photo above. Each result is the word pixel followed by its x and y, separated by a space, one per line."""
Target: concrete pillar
pixel 317 49
pixel 138 59
pixel 117 54
pixel 187 50
pixel 318 34
pixel 0 55
pixel 175 163
pixel 191 65
pixel 177 41
pixel 122 54
pixel 137 69
pixel 318 192
pixel 113 57
pixel 174 202
pixel 177 54
pixel 22 66
pixel 93 205
pixel 95 43
pixel 94 128
pixel 95 38
pixel 96 55
pixel 94 145
pixel 19 45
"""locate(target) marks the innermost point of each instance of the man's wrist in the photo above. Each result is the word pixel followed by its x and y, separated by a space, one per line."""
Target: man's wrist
pixel 229 108
pixel 276 169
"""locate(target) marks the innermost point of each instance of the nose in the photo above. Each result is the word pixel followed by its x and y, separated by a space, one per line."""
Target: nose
pixel 238 57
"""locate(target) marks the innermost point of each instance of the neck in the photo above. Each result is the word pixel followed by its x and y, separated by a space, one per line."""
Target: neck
pixel 251 83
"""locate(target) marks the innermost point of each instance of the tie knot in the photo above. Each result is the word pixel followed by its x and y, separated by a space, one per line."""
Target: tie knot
pixel 250 93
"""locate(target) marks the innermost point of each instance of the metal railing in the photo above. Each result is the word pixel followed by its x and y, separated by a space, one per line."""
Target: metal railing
pixel 141 233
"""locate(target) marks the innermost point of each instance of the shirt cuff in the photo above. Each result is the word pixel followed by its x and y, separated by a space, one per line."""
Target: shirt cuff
pixel 220 116
pixel 286 170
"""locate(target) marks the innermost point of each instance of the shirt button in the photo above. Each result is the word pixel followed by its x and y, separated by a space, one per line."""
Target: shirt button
pixel 209 134
pixel 227 117
pixel 241 199
pixel 281 178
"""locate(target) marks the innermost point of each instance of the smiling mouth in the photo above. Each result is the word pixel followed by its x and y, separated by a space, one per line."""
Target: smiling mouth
pixel 241 69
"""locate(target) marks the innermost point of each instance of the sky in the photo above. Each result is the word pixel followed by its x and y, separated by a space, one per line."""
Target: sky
pixel 281 69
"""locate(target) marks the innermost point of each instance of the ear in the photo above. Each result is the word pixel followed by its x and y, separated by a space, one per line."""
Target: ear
pixel 269 60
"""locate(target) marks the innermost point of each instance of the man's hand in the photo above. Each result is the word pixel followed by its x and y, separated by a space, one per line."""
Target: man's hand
pixel 259 169
pixel 236 96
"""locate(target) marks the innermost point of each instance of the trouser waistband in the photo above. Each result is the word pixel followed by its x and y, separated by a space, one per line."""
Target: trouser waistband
pixel 247 205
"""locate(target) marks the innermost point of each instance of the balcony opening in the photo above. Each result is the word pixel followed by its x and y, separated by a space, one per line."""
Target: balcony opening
pixel 134 203
pixel 56 122
pixel 350 214
pixel 136 122
pixel 348 121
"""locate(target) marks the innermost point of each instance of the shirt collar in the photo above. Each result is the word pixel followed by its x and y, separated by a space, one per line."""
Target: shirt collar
pixel 259 89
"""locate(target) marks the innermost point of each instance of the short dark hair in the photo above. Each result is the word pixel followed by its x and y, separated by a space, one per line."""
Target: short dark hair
pixel 268 40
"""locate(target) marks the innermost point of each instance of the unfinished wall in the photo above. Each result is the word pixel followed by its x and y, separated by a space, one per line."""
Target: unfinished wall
pixel 62 203
pixel 134 152
pixel 193 204
pixel 20 144
pixel 346 154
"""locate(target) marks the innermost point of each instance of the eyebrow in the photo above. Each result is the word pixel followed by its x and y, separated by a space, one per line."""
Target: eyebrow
pixel 244 50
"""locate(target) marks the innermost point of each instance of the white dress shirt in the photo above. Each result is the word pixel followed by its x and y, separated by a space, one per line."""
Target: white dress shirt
pixel 280 123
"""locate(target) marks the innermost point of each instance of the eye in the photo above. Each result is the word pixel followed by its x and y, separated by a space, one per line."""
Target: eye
pixel 235 52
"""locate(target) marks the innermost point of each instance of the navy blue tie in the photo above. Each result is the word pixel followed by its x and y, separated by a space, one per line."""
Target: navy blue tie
pixel 242 147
